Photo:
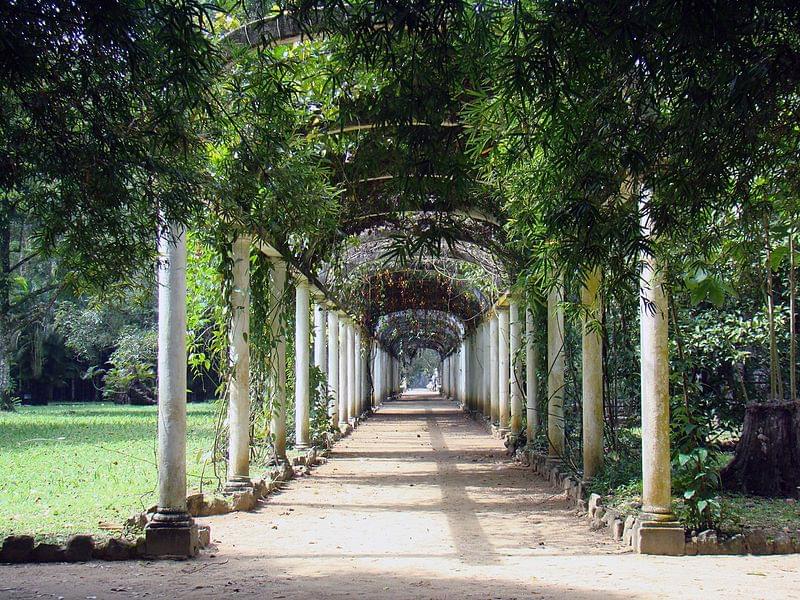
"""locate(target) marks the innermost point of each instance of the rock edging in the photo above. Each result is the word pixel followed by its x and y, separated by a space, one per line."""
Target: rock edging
pixel 82 548
pixel 622 526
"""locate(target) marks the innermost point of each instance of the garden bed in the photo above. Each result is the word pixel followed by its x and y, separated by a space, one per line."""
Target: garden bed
pixel 750 525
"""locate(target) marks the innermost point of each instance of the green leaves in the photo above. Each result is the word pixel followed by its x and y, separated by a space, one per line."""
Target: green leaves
pixel 777 256
pixel 695 468
pixel 705 287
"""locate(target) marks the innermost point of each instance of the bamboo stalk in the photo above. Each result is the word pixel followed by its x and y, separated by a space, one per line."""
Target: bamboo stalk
pixel 792 322
pixel 773 345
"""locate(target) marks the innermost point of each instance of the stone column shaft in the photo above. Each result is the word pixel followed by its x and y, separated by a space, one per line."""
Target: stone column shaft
pixel 351 373
pixel 344 388
pixel 333 364
pixel 320 331
pixel 503 369
pixel 358 373
pixel 487 370
pixel 172 372
pixel 466 372
pixel 494 370
pixel 171 531
pixel 656 477
pixel 659 532
pixel 515 341
pixel 302 350
pixel 531 383
pixel 239 359
pixel 462 373
pixel 376 375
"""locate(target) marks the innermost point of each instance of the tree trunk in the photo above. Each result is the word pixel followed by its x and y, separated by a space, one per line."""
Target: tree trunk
pixel 792 323
pixel 767 459
pixel 5 309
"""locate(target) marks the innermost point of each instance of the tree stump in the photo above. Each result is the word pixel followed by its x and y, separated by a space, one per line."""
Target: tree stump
pixel 767 459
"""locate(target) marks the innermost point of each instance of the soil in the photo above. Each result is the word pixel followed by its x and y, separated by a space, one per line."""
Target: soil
pixel 419 502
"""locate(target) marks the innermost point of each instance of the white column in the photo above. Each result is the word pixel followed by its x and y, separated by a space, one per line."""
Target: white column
pixel 656 477
pixel 333 364
pixel 503 369
pixel 358 374
pixel 452 368
pixel 555 373
pixel 170 532
pixel 387 374
pixel 452 362
pixel 344 388
pixel 475 377
pixel 367 373
pixel 239 361
pixel 515 342
pixel 462 373
pixel 487 369
pixel 494 370
pixel 592 359
pixel 320 351
pixel 302 350
pixel 660 532
pixel 376 375
pixel 351 373
pixel 278 360
pixel 384 375
pixel 390 375
pixel 531 383
pixel 379 373
pixel 390 372
pixel 172 377
pixel 468 371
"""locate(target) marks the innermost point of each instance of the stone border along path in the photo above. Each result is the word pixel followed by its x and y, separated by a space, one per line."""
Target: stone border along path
pixel 419 502
pixel 622 527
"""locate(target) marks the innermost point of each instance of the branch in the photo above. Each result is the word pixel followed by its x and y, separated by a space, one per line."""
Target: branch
pixel 23 261
pixel 37 293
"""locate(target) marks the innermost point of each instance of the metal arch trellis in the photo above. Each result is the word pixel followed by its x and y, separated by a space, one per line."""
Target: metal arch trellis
pixel 404 332
pixel 429 235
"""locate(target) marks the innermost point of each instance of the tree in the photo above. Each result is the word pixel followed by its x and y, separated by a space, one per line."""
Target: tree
pixel 97 143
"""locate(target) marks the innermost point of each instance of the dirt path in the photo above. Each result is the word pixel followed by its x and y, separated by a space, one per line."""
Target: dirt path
pixel 417 503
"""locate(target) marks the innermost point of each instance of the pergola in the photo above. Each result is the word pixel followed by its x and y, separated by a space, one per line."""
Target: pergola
pixel 393 280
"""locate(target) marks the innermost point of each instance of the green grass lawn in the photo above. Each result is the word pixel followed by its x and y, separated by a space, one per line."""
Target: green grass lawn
pixel 740 512
pixel 68 468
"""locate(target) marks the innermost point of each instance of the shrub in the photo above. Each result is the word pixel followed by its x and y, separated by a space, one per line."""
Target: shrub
pixel 131 378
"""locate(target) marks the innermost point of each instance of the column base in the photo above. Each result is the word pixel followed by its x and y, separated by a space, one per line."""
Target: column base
pixel 659 534
pixel 553 461
pixel 235 485
pixel 277 461
pixel 302 447
pixel 513 438
pixel 171 534
pixel 345 428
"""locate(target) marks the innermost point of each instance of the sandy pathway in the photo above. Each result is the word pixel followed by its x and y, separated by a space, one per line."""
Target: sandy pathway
pixel 418 503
